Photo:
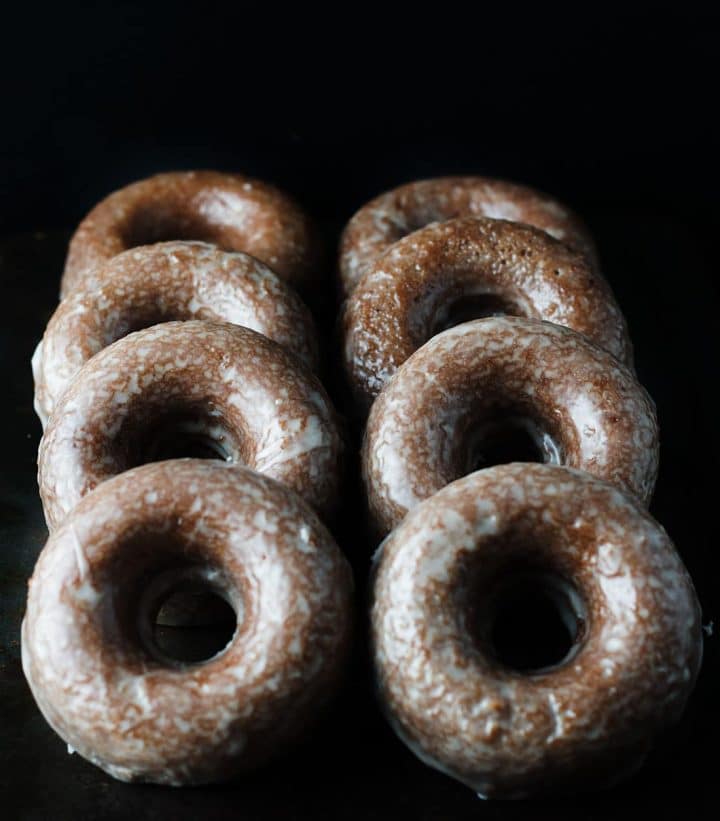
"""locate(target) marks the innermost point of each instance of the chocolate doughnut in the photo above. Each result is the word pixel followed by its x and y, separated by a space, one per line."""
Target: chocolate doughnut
pixel 389 217
pixel 232 211
pixel 505 389
pixel 161 282
pixel 470 266
pixel 447 584
pixel 90 654
pixel 191 388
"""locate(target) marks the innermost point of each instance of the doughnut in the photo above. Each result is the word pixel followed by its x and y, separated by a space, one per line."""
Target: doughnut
pixel 465 268
pixel 112 691
pixel 232 211
pixel 195 388
pixel 161 282
pixel 445 633
pixel 505 389
pixel 396 213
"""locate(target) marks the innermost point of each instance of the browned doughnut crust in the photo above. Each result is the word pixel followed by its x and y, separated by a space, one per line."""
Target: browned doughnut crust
pixel 423 282
pixel 242 395
pixel 162 282
pixel 389 217
pixel 232 211
pixel 106 687
pixel 581 406
pixel 584 722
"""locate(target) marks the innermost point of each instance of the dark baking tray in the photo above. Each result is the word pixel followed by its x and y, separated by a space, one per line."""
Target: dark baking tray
pixel 659 264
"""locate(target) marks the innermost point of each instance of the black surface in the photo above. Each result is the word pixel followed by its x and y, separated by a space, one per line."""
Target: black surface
pixel 612 115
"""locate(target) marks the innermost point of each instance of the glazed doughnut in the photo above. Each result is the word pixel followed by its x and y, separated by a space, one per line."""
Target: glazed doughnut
pixel 229 391
pixel 110 690
pixel 455 403
pixel 389 217
pixel 425 282
pixel 161 282
pixel 234 212
pixel 452 573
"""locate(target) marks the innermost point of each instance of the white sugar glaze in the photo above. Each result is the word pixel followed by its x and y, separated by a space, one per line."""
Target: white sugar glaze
pixel 587 721
pixel 114 700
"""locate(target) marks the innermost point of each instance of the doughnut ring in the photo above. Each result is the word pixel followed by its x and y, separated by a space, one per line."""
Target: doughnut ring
pixel 89 653
pixel 161 282
pixel 505 389
pixel 449 577
pixel 396 213
pixel 462 269
pixel 195 388
pixel 232 211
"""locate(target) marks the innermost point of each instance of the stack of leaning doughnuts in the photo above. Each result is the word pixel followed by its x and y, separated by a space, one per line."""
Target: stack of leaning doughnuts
pixel 165 348
pixel 508 456
pixel 479 330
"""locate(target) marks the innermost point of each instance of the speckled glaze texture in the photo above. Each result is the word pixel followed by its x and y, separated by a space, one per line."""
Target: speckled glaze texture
pixel 234 212
pixel 256 404
pixel 584 723
pixel 405 296
pixel 389 217
pixel 588 410
pixel 163 282
pixel 108 692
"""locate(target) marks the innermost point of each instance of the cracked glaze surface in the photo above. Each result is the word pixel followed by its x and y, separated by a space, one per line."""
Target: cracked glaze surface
pixel 139 717
pixel 161 282
pixel 232 211
pixel 390 216
pixel 256 404
pixel 405 295
pixel 420 430
pixel 582 724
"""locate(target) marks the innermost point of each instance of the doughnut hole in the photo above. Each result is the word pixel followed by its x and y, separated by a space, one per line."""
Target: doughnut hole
pixel 411 221
pixel 183 435
pixel 175 429
pixel 504 434
pixel 527 617
pixel 186 617
pixel 171 603
pixel 466 307
pixel 137 317
pixel 456 298
pixel 162 222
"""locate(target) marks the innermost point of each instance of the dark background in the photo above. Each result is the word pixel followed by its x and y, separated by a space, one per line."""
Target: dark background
pixel 614 114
